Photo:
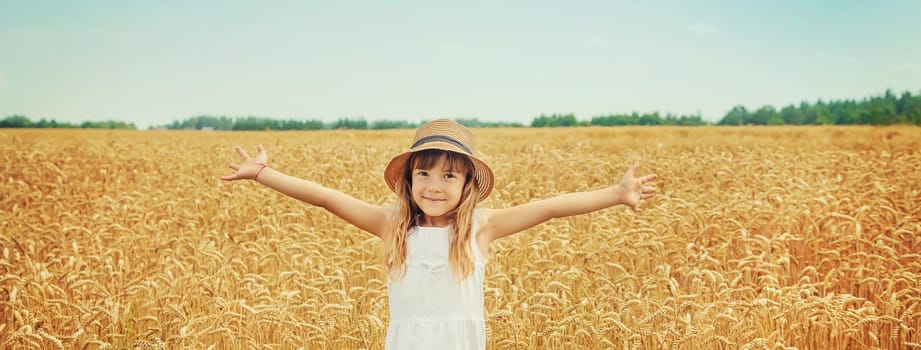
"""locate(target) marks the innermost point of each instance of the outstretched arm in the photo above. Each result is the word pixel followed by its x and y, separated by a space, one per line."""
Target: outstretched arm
pixel 366 216
pixel 499 223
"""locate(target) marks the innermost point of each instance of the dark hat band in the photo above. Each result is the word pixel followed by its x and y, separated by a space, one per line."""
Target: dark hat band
pixel 435 138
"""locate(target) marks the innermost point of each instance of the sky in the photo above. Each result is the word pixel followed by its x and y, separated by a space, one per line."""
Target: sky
pixel 153 62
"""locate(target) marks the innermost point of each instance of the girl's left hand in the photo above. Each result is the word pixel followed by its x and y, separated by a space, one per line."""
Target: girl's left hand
pixel 637 188
pixel 249 167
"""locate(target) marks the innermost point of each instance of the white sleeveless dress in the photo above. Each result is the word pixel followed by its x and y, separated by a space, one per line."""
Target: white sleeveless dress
pixel 429 307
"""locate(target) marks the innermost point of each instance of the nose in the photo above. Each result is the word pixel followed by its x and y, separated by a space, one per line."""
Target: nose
pixel 434 187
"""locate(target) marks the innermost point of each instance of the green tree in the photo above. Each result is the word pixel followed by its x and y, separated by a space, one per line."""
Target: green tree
pixel 650 119
pixel 791 115
pixel 16 121
pixel 819 114
pixel 763 115
pixel 883 109
pixel 738 115
pixel 350 123
pixel 910 107
pixel 554 120
pixel 396 124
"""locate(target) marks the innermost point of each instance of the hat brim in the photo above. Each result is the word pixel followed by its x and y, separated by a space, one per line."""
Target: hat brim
pixel 482 174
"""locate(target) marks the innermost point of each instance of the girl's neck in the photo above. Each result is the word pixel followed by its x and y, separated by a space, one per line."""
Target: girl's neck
pixel 439 222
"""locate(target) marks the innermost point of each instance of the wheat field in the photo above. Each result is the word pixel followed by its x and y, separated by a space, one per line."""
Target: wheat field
pixel 759 238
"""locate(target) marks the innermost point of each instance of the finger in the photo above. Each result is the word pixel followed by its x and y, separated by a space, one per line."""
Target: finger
pixel 649 178
pixel 241 152
pixel 229 177
pixel 234 166
pixel 633 169
pixel 261 153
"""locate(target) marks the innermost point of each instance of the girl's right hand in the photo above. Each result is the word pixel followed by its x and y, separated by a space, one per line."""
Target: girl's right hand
pixel 637 188
pixel 250 166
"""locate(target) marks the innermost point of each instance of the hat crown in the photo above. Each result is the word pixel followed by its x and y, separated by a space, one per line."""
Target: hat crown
pixel 444 130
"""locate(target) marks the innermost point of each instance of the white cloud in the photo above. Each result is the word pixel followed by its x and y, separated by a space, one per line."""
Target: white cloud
pixel 702 28
pixel 449 46
pixel 826 58
pixel 907 70
pixel 596 42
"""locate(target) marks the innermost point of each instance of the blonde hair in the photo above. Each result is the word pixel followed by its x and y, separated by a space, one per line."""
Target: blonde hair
pixel 407 214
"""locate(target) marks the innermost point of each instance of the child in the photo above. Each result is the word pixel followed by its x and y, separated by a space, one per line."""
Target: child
pixel 435 244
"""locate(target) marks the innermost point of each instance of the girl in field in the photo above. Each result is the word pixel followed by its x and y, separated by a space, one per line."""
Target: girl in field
pixel 436 243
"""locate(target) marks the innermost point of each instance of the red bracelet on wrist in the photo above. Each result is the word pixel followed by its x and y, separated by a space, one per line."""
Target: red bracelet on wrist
pixel 260 170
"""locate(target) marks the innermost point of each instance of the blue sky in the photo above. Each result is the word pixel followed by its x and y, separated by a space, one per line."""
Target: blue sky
pixel 152 62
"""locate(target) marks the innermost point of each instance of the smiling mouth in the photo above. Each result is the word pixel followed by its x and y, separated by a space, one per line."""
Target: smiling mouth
pixel 433 199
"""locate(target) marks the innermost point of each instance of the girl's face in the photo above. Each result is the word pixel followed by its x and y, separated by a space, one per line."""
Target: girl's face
pixel 437 187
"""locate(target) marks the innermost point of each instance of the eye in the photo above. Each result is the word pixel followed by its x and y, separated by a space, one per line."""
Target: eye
pixel 422 173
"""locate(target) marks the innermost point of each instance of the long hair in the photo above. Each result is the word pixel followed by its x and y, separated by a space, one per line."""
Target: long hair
pixel 407 214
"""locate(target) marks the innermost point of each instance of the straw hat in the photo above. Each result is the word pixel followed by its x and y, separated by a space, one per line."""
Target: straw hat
pixel 446 135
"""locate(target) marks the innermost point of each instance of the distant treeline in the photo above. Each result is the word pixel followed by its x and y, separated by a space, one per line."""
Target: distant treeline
pixel 886 109
pixel 261 123
pixel 20 121
pixel 556 120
